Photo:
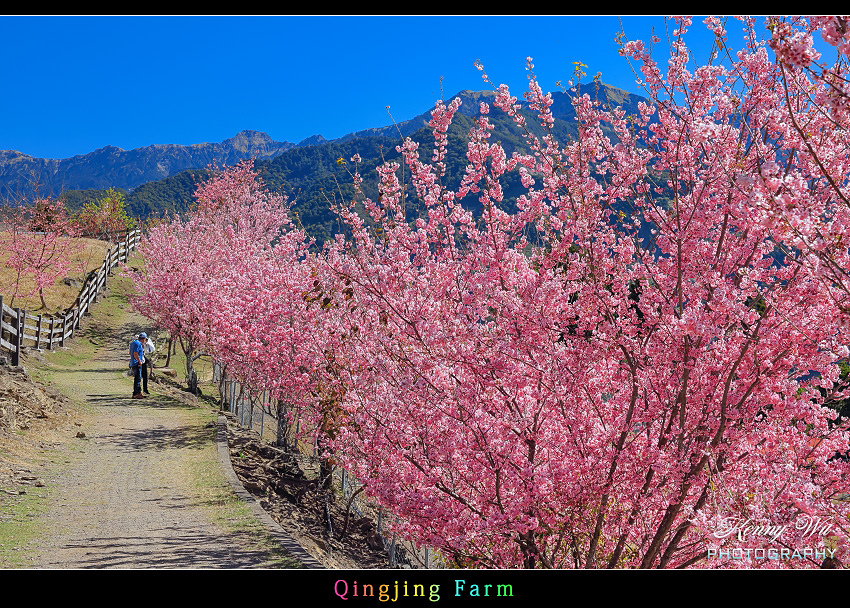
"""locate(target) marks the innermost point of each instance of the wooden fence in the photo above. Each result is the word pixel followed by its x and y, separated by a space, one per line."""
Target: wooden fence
pixel 18 328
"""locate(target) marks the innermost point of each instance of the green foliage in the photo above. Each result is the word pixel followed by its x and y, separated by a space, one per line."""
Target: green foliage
pixel 106 216
pixel 312 179
pixel 172 195
pixel 75 200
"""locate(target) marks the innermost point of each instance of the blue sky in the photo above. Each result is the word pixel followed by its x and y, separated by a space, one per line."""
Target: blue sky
pixel 75 83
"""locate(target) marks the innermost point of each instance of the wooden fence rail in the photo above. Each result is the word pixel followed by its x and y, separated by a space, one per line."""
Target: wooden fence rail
pixel 18 327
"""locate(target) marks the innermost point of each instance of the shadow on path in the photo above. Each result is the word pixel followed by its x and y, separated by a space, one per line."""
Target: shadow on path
pixel 171 546
pixel 162 438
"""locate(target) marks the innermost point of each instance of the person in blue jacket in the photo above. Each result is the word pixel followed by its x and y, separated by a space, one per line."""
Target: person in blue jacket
pixel 137 359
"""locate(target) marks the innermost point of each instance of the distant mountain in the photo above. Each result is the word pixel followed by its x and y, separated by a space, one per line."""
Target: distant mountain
pixel 21 174
pixel 308 172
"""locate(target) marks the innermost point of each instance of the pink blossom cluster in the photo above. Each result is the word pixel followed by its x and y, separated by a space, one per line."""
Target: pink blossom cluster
pixel 793 47
pixel 793 43
pixel 835 31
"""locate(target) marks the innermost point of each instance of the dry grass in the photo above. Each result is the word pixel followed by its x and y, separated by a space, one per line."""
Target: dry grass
pixel 58 296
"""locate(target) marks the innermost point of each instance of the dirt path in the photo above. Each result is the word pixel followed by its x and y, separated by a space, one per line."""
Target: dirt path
pixel 144 487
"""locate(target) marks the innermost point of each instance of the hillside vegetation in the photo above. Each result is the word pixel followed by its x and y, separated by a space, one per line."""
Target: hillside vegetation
pixel 313 176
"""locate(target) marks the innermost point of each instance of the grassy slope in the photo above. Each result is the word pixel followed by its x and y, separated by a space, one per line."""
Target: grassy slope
pixel 58 296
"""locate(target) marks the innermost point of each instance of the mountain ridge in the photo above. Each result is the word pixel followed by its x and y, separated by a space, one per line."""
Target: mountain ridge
pixel 22 176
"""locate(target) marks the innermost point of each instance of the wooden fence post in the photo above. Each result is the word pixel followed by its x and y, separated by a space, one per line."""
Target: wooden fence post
pixel 47 330
pixel 77 315
pixel 22 322
pixel 74 313
pixel 16 354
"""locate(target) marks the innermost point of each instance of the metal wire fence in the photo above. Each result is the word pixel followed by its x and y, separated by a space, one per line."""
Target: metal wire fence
pixel 262 413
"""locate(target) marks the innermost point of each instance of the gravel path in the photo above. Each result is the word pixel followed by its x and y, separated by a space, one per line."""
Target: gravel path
pixel 144 488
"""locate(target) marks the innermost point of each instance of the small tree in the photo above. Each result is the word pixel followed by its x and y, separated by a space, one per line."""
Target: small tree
pixel 41 244
pixel 104 218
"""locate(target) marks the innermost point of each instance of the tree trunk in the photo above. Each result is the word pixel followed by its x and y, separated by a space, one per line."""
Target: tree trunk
pixel 191 376
pixel 170 345
pixel 222 382
pixel 354 494
pixel 326 491
pixel 284 428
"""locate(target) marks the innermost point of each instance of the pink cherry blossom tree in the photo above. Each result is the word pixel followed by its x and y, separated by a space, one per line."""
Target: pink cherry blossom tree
pixel 596 397
pixel 235 280
pixel 41 245
pixel 188 261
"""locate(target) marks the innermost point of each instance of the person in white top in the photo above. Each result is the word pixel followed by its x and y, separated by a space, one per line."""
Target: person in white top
pixel 148 349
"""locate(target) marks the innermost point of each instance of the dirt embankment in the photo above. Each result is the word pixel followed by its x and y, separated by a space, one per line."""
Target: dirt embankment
pixel 33 417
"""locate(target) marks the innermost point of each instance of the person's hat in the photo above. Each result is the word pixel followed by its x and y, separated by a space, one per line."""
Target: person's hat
pixel 142 335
